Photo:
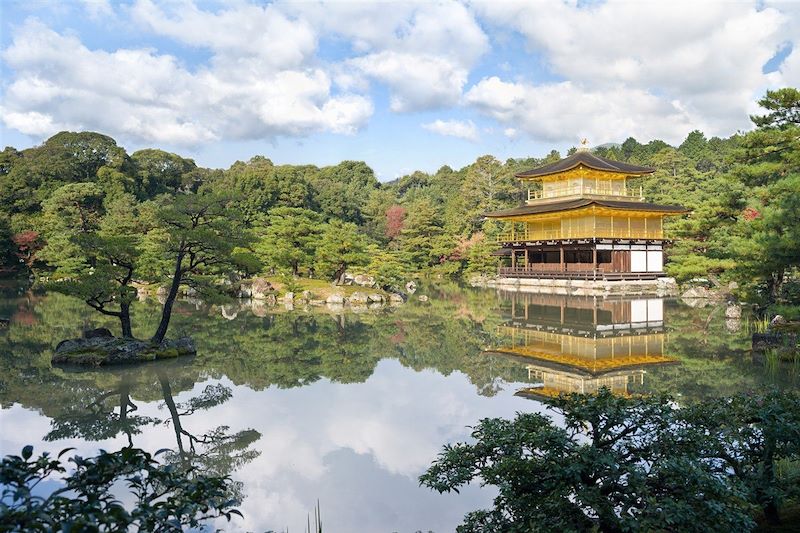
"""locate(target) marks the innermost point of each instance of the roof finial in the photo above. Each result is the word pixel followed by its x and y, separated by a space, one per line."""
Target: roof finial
pixel 584 145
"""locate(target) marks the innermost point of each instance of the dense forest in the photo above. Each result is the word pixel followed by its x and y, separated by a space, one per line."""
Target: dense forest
pixel 80 206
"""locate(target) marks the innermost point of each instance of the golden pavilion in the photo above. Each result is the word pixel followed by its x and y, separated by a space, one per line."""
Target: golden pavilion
pixel 582 220
pixel 580 344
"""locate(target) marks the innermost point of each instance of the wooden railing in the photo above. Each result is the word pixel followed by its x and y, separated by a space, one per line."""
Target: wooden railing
pixel 596 275
pixel 579 190
pixel 522 235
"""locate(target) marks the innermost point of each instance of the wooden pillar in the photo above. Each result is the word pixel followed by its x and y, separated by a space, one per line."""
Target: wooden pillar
pixel 594 266
pixel 526 259
pixel 561 257
pixel 513 258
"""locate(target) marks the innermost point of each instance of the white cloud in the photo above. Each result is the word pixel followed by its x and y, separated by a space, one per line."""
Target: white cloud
pixel 454 128
pixel 235 33
pixel 646 68
pixel 564 111
pixel 97 8
pixel 705 58
pixel 421 51
pixel 418 82
pixel 788 73
pixel 138 94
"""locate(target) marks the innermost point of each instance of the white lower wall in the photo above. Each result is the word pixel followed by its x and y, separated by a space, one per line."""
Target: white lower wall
pixel 655 261
pixel 638 261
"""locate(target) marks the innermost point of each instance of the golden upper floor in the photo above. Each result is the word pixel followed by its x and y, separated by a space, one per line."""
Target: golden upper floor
pixel 583 175
pixel 584 219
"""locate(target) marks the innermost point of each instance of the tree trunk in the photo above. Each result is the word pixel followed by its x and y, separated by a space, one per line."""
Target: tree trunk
pixel 771 514
pixel 769 504
pixel 125 320
pixel 338 276
pixel 775 285
pixel 124 403
pixel 169 401
pixel 166 312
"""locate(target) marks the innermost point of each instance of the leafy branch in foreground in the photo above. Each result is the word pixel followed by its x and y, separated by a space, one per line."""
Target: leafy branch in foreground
pixel 629 464
pixel 166 498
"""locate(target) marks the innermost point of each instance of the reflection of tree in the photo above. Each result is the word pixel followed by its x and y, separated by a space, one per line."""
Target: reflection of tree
pixel 101 405
pixel 446 334
pixel 102 417
pixel 215 452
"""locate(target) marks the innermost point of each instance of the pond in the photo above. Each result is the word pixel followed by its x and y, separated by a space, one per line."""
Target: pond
pixel 348 409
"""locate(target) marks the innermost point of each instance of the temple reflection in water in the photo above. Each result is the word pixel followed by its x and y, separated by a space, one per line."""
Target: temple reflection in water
pixel 580 344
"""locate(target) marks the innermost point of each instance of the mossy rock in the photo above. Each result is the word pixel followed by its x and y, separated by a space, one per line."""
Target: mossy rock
pixel 117 351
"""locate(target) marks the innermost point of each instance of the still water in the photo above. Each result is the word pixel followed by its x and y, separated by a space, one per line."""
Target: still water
pixel 350 408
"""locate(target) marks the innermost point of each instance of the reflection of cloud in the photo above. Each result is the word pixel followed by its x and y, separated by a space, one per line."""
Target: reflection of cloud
pixel 359 448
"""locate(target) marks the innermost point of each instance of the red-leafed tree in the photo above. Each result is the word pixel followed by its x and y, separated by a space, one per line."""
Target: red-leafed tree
pixel 395 219
pixel 27 243
pixel 750 214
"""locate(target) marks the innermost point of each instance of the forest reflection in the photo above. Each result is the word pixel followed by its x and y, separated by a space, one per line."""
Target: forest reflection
pixel 297 404
pixel 475 332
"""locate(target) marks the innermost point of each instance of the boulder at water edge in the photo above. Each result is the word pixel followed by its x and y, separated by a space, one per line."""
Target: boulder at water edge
pixel 335 299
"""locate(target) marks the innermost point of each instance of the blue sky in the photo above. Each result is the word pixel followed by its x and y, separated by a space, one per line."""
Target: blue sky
pixel 403 86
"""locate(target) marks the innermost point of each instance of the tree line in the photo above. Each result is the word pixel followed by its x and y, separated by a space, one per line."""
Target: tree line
pixel 80 205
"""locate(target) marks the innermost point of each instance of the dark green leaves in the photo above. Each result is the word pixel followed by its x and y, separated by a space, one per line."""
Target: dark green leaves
pixel 629 464
pixel 165 498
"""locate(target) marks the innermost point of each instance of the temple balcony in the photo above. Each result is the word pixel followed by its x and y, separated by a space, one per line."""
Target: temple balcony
pixel 602 191
pixel 589 227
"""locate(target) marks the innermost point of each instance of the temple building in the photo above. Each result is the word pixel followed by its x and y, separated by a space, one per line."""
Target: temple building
pixel 580 344
pixel 583 220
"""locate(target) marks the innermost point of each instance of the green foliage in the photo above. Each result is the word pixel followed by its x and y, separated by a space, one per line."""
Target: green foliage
pixel 749 435
pixel 614 464
pixel 479 255
pixel 766 235
pixel 341 246
pixel 73 211
pixel 290 282
pixel 8 258
pixel 289 239
pixel 423 240
pixel 784 107
pixel 164 498
pixel 388 268
pixel 246 261
pixel 340 192
pixel 158 172
pixel 198 233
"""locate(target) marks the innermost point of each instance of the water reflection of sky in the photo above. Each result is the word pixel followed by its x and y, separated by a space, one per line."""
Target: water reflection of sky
pixel 358 448
pixel 387 397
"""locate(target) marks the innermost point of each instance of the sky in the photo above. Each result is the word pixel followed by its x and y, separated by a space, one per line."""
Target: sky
pixel 404 86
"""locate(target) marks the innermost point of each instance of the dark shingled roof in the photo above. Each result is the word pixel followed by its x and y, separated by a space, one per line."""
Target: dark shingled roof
pixel 568 205
pixel 587 159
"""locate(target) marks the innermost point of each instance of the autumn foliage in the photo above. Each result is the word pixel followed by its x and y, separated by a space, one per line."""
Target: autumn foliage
pixel 395 218
pixel 27 243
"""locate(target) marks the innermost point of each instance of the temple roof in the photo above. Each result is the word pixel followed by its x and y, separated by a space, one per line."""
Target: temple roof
pixel 579 365
pixel 587 159
pixel 568 205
